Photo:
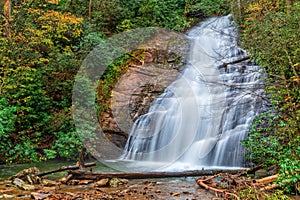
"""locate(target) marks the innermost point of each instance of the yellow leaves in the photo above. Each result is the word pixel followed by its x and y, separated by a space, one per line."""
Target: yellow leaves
pixel 287 99
pixel 261 5
pixel 38 62
pixel 47 28
pixel 47 41
pixel 53 2
pixel 26 99
pixel 57 23
pixel 68 49
pixel 254 7
pixel 295 79
pixel 44 60
pixel 257 9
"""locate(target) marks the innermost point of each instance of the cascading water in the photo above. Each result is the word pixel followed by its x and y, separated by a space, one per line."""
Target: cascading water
pixel 201 118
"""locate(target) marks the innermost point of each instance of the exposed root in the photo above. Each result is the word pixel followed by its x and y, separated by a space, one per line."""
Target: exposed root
pixel 226 194
pixel 229 185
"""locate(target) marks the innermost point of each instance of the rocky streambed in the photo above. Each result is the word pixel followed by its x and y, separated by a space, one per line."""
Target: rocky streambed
pixel 184 188
pixel 30 183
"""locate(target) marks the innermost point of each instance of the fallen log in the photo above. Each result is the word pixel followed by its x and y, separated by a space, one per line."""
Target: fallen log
pixel 265 180
pixel 65 168
pixel 254 169
pixel 235 61
pixel 84 174
pixel 269 187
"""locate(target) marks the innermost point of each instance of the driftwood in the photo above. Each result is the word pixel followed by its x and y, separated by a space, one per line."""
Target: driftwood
pixel 84 174
pixel 203 184
pixel 269 187
pixel 235 61
pixel 253 169
pixel 229 185
pixel 265 180
pixel 65 168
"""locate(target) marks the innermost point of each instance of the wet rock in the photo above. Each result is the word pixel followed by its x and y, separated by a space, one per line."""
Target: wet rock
pixel 102 182
pixel 115 182
pixel 28 175
pixel 261 173
pixel 7 196
pixel 46 189
pixel 19 183
pixel 148 57
pixel 47 182
pixel 39 196
pixel 163 58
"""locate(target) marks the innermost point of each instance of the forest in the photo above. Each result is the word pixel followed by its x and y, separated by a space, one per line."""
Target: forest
pixel 43 44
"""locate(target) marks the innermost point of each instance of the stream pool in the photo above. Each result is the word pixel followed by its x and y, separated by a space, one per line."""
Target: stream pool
pixel 9 170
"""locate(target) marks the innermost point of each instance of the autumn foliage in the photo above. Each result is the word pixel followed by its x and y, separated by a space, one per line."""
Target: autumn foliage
pixel 37 69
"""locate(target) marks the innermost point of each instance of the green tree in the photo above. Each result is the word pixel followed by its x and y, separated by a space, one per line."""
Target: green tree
pixel 270 31
pixel 37 70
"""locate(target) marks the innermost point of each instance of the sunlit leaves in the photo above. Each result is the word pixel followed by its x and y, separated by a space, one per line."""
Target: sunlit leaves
pixel 271 33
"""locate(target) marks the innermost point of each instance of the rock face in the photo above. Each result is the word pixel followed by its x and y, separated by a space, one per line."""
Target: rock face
pixel 161 63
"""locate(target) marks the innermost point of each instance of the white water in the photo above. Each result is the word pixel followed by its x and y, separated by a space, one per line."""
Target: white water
pixel 201 118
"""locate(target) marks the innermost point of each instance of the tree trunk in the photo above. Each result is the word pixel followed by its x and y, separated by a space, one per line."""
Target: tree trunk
pixel 7 9
pixel 7 15
pixel 84 174
pixel 90 10
pixel 72 6
pixel 288 6
pixel 239 10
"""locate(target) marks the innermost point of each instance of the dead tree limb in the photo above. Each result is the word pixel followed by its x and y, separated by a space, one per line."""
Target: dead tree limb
pixel 265 180
pixel 235 61
pixel 254 169
pixel 65 168
pixel 269 187
pixel 201 183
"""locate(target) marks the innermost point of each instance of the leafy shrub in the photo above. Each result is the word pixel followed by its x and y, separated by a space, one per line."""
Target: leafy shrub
pixel 271 33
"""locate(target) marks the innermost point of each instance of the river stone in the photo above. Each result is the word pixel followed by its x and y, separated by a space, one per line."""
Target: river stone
pixel 102 182
pixel 39 196
pixel 19 183
pixel 28 175
pixel 261 173
pixel 47 182
pixel 7 196
pixel 115 182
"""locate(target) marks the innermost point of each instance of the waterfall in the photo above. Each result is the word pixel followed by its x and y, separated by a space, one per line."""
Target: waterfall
pixel 202 117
